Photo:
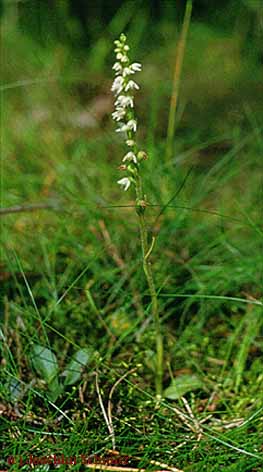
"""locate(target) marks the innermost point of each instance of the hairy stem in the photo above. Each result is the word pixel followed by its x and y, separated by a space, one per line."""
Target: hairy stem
pixel 147 267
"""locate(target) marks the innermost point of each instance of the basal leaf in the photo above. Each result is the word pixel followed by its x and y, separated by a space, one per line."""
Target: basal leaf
pixel 45 363
pixel 182 385
pixel 74 369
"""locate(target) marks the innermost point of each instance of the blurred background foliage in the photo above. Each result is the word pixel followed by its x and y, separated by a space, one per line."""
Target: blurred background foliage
pixel 79 22
pixel 72 41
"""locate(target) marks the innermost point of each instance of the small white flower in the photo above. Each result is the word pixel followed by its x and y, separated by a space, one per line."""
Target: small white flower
pixel 117 85
pixel 130 157
pixel 131 125
pixel 124 101
pixel 130 142
pixel 125 183
pixel 117 67
pixel 136 67
pixel 118 114
pixel 117 42
pixel 131 85
pixel 121 57
pixel 122 129
pixel 126 71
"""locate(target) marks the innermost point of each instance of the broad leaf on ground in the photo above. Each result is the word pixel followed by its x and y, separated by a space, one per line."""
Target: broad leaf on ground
pixel 75 368
pixel 182 385
pixel 46 366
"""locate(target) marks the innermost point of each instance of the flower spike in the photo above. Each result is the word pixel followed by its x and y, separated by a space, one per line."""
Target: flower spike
pixel 124 113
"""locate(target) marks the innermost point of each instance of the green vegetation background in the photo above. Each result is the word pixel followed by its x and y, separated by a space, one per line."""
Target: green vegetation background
pixel 71 274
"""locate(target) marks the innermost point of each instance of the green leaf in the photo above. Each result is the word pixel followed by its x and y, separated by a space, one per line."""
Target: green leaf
pixel 182 385
pixel 74 369
pixel 44 362
pixel 46 366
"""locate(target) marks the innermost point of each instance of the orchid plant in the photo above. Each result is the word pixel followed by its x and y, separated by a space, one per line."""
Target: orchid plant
pixel 123 88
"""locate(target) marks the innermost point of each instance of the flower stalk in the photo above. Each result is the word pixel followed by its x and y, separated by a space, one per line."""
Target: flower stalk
pixel 124 115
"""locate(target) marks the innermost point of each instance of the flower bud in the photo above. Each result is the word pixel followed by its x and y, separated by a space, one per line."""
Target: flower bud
pixel 142 156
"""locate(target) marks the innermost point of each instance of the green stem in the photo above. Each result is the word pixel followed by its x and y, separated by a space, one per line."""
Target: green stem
pixel 147 267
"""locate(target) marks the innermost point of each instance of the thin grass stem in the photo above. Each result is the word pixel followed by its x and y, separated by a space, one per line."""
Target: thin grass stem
pixel 177 79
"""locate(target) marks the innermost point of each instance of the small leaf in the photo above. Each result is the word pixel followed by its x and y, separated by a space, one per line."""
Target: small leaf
pixel 45 363
pixel 74 369
pixel 182 385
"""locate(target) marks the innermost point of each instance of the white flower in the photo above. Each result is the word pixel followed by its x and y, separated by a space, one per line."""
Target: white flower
pixel 117 85
pixel 130 156
pixel 131 85
pixel 117 67
pixel 117 42
pixel 136 67
pixel 130 142
pixel 127 71
pixel 118 114
pixel 131 125
pixel 124 101
pixel 125 183
pixel 121 57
